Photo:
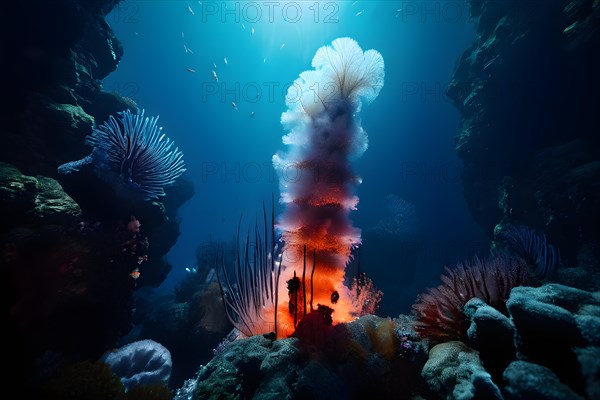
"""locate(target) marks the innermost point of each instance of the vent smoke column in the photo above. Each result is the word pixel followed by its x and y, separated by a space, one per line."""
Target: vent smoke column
pixel 317 182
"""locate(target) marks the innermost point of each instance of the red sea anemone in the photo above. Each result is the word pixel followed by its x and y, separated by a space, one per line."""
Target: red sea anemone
pixel 439 312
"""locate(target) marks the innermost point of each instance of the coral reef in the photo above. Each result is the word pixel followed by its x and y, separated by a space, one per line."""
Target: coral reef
pixel 349 361
pixel 190 324
pixel 454 371
pixel 500 356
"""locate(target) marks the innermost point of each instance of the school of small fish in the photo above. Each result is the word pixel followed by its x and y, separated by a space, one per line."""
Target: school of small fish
pixel 252 31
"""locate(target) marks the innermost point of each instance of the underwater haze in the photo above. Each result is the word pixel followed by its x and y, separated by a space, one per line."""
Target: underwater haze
pixel 411 126
pixel 301 199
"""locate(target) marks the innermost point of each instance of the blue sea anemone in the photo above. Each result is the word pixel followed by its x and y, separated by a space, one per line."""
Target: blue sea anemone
pixel 133 155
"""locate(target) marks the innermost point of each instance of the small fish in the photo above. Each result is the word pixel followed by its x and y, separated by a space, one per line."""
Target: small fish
pixel 264 60
pixel 188 50
pixel 190 70
pixel 358 13
pixel 243 26
pixel 191 270
pixel 252 114
pixel 214 65
pixel 225 59
pixel 354 3
pixel 135 33
pixel 182 35
pixel 335 296
pixel 282 45
pixel 190 10
pixel 135 273
pixel 252 31
pixel 185 48
pixel 215 77
pixel 490 62
pixel 234 105
pixel 210 277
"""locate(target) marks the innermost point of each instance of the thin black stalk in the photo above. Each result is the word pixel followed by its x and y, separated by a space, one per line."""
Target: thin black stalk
pixel 303 282
pixel 311 277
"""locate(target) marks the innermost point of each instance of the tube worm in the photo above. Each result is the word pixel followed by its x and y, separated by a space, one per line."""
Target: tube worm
pixel 317 182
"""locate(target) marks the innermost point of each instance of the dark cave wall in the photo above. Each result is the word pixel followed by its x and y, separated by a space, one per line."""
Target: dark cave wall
pixel 55 55
pixel 528 94
pixel 67 251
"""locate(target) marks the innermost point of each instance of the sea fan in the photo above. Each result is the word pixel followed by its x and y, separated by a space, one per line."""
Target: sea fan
pixel 439 312
pixel 541 257
pixel 354 74
pixel 343 75
pixel 133 155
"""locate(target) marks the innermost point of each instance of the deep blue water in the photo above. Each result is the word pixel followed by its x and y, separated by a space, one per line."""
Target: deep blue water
pixel 411 125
